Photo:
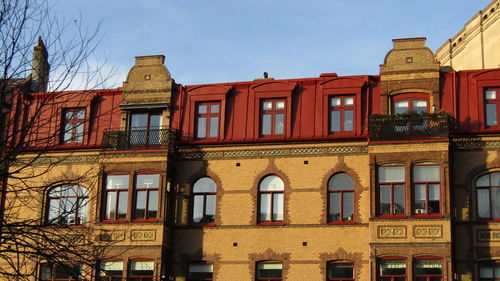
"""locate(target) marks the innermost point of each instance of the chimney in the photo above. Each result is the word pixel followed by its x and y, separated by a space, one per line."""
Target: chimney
pixel 40 68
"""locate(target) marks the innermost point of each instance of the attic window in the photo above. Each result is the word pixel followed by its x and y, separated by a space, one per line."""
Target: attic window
pixel 147 77
pixel 409 59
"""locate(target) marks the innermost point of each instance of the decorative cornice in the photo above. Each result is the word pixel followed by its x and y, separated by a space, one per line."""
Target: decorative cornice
pixel 474 143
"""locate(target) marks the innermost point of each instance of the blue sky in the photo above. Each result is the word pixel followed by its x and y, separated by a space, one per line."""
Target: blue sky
pixel 230 40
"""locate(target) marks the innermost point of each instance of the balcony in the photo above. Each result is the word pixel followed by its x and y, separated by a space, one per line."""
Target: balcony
pixel 138 139
pixel 409 126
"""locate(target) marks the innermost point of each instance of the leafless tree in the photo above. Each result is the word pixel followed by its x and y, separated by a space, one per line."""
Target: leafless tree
pixel 34 78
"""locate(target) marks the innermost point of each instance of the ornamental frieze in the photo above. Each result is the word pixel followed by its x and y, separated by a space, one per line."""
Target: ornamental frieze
pixel 391 232
pixel 428 231
pixel 488 235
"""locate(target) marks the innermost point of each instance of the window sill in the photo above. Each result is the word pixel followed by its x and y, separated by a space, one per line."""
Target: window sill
pixel 427 216
pixel 265 223
pixel 401 216
pixel 114 221
pixel 341 222
pixel 145 220
pixel 211 224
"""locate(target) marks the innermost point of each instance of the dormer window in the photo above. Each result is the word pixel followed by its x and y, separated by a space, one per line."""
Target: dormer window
pixel 73 125
pixel 207 120
pixel 272 117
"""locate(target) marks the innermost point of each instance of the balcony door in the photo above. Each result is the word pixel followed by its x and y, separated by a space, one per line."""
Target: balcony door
pixel 145 128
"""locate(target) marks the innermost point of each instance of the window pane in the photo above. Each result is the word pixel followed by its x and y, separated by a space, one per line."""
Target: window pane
pixel 111 268
pixel 401 107
pixel 428 267
pixel 490 95
pixel 420 106
pixel 79 133
pixel 391 174
pixel 117 182
pixel 141 268
pixel 214 127
pixel 111 205
pixel 122 204
pixel 153 204
pixel 202 127
pixel 210 209
pixel 155 121
pixel 385 199
pixel 148 181
pixel 426 173
pixel 202 109
pixel 267 105
pixel 393 267
pixel 83 211
pixel 399 199
pixel 80 114
pixel 68 132
pixel 334 208
pixel 348 206
pixel 483 203
pixel 266 124
pixel 272 183
pixel 335 102
pixel 278 207
pixel 348 120
pixel 279 124
pixel 483 180
pixel 265 207
pixel 139 121
pixel 53 210
pixel 486 270
pixel 269 270
pixel 200 271
pixel 46 271
pixel 335 121
pixel 204 185
pixel 341 181
pixel 140 205
pixel 495 179
pixel 198 208
pixel 495 203
pixel 340 270
pixel 491 114
pixel 434 198
pixel 348 101
pixel 420 195
pixel 214 108
pixel 280 104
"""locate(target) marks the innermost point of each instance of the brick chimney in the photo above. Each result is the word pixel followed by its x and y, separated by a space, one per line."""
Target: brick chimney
pixel 40 68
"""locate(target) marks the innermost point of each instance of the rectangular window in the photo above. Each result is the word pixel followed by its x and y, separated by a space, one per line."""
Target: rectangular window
pixel 341 114
pixel 111 271
pixel 207 120
pixel 428 269
pixel 492 102
pixel 489 270
pixel 53 272
pixel 268 271
pixel 272 118
pixel 116 197
pixel 73 125
pixel 340 271
pixel 200 271
pixel 145 128
pixel 141 271
pixel 391 189
pixel 392 269
pixel 427 190
pixel 146 196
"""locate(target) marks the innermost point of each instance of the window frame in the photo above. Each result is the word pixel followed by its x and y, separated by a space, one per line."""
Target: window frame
pixel 141 277
pixel 147 129
pixel 391 184
pixel 199 262
pixel 148 191
pixel 379 272
pixel 427 276
pixel 110 277
pixel 272 278
pixel 208 115
pixel 75 122
pixel 272 193
pixel 410 97
pixel 53 267
pixel 204 195
pixel 496 263
pixel 342 278
pixel 489 188
pixel 342 108
pixel 273 112
pixel 496 101
pixel 341 197
pixel 77 210
pixel 427 183
pixel 117 205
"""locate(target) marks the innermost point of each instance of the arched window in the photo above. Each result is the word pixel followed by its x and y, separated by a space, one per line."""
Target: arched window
pixel 141 270
pixel 428 268
pixel 269 271
pixel 340 198
pixel 68 205
pixel 204 194
pixel 488 196
pixel 271 199
pixel 392 269
pixel 340 270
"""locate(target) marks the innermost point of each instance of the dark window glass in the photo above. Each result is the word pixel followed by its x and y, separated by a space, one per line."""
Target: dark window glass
pixel 392 269
pixel 141 271
pixel 267 271
pixel 200 271
pixel 204 201
pixel 428 269
pixel 111 271
pixel 340 271
pixel 53 272
pixel 489 270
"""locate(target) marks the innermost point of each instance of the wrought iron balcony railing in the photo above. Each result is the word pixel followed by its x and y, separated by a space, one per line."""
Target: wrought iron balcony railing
pixel 410 127
pixel 138 139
